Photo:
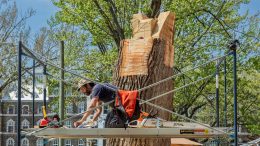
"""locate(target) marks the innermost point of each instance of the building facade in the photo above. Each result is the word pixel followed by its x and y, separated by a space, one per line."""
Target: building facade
pixel 8 116
pixel 8 123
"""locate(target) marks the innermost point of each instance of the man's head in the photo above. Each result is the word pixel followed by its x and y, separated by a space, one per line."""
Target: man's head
pixel 85 86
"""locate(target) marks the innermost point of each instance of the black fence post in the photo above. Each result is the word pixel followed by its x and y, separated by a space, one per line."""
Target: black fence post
pixel 225 93
pixel 19 94
pixel 44 86
pixel 233 47
pixel 33 91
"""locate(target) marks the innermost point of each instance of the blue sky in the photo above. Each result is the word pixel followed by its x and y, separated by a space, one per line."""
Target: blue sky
pixel 45 9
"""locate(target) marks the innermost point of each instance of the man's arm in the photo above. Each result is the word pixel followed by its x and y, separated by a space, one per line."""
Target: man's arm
pixel 98 111
pixel 94 101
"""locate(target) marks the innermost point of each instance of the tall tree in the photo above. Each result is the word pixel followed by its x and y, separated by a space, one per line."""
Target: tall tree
pixel 12 27
pixel 203 28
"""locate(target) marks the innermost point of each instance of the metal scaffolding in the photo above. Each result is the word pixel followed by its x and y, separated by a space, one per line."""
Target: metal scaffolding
pixel 121 132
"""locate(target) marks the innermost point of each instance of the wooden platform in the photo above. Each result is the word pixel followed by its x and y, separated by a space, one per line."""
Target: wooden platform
pixel 126 133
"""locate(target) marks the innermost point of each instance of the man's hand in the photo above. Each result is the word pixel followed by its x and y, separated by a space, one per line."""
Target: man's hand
pixel 93 103
pixel 77 123
pixel 91 123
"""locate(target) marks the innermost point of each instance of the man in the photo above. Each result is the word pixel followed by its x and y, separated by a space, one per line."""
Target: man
pixel 98 93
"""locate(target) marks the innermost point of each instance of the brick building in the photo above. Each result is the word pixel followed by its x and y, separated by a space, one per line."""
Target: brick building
pixel 8 121
pixel 8 118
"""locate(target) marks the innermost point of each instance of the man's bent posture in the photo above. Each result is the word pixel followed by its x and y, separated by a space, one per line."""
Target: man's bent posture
pixel 98 93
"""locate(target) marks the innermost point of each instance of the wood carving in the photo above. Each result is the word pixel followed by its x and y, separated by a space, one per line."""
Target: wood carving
pixel 136 51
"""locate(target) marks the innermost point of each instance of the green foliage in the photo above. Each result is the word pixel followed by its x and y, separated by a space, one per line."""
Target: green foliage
pixel 12 26
pixel 80 58
pixel 107 21
pixel 100 65
pixel 248 90
pixel 202 30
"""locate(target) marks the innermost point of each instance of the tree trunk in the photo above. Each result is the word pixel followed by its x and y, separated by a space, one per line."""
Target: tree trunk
pixel 157 70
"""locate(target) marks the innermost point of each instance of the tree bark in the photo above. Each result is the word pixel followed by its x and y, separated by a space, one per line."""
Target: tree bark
pixel 157 71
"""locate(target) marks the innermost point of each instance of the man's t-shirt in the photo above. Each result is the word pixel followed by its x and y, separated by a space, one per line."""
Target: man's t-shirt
pixel 104 92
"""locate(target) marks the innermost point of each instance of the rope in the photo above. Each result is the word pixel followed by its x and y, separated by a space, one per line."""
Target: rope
pixel 62 121
pixel 148 101
pixel 149 86
pixel 174 113
pixel 47 61
pixel 173 91
pixel 67 82
pixel 181 73
pixel 141 89
pixel 143 101
pixel 177 89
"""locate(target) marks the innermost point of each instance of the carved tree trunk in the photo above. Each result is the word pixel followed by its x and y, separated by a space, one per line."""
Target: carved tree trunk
pixel 157 70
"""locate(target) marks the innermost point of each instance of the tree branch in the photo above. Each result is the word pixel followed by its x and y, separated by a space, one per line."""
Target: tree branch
pixel 208 11
pixel 109 24
pixel 155 9
pixel 6 35
pixel 113 11
pixel 209 26
pixel 195 109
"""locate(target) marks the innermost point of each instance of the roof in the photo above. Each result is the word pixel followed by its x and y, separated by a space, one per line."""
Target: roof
pixel 183 141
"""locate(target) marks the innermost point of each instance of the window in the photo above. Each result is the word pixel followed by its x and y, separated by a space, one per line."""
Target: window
pixel 39 109
pixel 67 142
pixel 68 124
pixel 55 143
pixel 69 109
pixel 93 142
pixel 81 107
pixel 10 142
pixel 10 125
pixel 39 142
pixel 25 142
pixel 25 124
pixel 81 142
pixel 25 109
pixel 10 109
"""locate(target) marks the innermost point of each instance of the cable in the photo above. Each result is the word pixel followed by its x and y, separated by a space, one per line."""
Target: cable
pixel 67 82
pixel 177 89
pixel 62 121
pixel 141 89
pixel 181 73
pixel 174 113
pixel 147 101
pixel 32 55
pixel 235 30
pixel 69 71
pixel 31 52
